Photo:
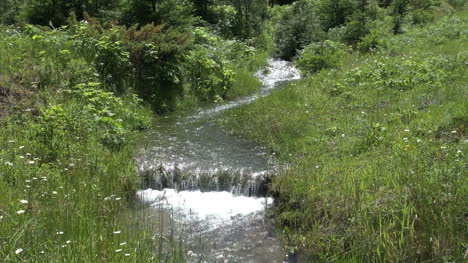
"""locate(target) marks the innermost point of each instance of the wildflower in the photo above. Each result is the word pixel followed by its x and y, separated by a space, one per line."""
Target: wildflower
pixel 31 162
pixel 127 254
pixel 11 141
pixel 54 192
pixel 18 251
pixel 454 132
pixel 28 186
pixel 24 201
pixel 118 250
pixel 63 246
pixel 443 147
pixel 317 166
pixel 68 241
pixel 21 147
pixel 123 243
pixel 19 212
pixel 59 233
pixel 117 232
pixel 8 164
pixel 418 140
pixel 405 139
pixel 343 135
pixel 406 130
pixel 28 154
pixel 42 252
pixel 118 198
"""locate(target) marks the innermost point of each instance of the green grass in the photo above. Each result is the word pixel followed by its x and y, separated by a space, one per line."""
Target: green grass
pixel 67 174
pixel 376 151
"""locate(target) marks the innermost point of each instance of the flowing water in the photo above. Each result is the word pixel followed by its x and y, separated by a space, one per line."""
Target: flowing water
pixel 212 185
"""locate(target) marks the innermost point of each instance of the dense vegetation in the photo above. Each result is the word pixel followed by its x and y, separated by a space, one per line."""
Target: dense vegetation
pixel 374 135
pixel 375 146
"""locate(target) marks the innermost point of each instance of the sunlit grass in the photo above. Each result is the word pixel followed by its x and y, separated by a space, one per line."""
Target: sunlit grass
pixel 376 151
pixel 67 174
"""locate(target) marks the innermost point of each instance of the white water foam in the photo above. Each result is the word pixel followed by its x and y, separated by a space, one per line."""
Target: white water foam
pixel 212 206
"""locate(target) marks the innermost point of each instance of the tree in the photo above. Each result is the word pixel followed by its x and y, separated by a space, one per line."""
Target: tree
pixel 333 13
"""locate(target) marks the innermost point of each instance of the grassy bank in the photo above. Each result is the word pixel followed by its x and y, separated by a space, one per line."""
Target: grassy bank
pixel 66 157
pixel 376 151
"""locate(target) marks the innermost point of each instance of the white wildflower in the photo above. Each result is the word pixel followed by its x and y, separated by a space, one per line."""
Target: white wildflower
pixel 68 241
pixel 31 162
pixel 406 130
pixel 24 201
pixel 54 192
pixel 123 243
pixel 117 232
pixel 8 164
pixel 118 198
pixel 11 141
pixel 19 212
pixel 118 250
pixel 59 233
pixel 21 147
pixel 22 157
pixel 127 254
pixel 18 251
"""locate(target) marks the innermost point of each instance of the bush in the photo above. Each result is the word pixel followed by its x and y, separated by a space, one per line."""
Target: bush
pixel 156 56
pixel 106 51
pixel 321 55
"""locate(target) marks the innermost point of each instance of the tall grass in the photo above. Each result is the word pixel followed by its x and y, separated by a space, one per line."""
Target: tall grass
pixel 67 175
pixel 376 151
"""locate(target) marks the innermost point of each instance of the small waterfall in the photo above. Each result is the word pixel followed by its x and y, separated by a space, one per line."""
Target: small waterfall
pixel 237 182
pixel 190 153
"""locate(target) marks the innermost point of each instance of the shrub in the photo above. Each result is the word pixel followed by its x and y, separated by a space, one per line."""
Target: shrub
pixel 155 55
pixel 321 55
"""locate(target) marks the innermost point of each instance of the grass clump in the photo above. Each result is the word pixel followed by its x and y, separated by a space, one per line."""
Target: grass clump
pixel 376 151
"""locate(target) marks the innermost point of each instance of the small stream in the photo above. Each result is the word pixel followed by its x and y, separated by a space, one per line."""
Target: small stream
pixel 213 186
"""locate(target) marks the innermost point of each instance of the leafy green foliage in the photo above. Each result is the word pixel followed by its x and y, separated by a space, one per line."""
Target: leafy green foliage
pixel 177 14
pixel 155 55
pixel 299 26
pixel 208 70
pixel 321 55
pixel 105 51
